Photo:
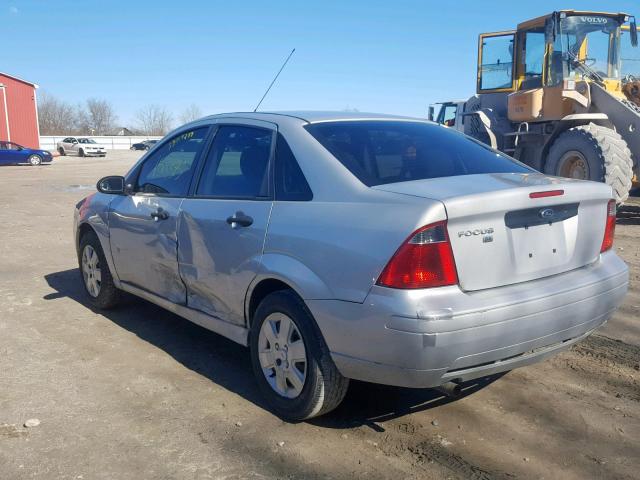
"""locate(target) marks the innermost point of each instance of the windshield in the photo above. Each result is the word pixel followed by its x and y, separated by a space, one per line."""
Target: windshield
pixel 85 140
pixel 381 152
pixel 582 50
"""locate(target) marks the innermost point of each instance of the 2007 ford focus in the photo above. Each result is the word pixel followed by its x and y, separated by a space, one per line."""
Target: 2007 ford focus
pixel 351 246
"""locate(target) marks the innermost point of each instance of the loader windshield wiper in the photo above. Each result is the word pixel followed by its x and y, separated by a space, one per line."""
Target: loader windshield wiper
pixel 585 69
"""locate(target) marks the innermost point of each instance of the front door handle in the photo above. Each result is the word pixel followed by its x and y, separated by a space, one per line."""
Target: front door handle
pixel 240 219
pixel 159 214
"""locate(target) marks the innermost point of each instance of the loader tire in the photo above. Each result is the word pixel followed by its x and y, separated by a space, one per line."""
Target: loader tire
pixel 593 152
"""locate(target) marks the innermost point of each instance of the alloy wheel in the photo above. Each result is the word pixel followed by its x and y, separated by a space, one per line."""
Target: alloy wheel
pixel 282 355
pixel 91 272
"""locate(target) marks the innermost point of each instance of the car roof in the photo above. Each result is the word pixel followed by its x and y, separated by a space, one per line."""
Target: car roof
pixel 311 116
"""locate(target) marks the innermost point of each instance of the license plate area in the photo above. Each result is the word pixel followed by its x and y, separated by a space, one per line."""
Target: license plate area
pixel 531 217
pixel 542 241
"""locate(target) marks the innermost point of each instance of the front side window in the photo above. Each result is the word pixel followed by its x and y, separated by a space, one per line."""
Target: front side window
pixel 237 164
pixel 169 170
pixel 12 146
pixel 496 70
pixel 380 152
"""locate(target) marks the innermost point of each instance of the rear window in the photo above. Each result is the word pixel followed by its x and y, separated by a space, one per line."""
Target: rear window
pixel 380 152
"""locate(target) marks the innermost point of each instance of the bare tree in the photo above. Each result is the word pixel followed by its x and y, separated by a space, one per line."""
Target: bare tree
pixel 153 120
pixel 55 116
pixel 191 113
pixel 98 118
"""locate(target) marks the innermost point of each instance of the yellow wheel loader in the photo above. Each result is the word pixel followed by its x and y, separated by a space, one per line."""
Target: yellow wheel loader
pixel 561 93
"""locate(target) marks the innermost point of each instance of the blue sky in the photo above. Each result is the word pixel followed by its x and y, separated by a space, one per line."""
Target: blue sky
pixel 391 56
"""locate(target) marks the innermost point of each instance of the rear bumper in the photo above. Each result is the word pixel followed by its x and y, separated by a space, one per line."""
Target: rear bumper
pixel 424 338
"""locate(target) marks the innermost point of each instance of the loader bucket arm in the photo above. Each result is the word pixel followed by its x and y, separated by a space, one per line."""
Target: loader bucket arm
pixel 624 115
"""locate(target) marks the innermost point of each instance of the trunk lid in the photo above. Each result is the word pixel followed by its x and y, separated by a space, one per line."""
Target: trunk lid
pixel 501 236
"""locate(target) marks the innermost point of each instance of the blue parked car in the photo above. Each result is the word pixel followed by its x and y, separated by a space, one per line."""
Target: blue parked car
pixel 11 154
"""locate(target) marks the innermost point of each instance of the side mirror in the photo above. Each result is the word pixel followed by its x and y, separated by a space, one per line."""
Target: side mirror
pixel 430 114
pixel 113 184
pixel 74 141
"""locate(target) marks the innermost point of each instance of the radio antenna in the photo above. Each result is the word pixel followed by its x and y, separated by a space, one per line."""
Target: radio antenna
pixel 274 79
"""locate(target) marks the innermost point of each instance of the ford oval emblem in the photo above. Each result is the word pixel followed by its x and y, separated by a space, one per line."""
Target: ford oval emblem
pixel 547 213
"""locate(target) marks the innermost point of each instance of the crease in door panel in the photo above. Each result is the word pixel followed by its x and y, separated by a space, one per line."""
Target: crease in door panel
pixel 178 225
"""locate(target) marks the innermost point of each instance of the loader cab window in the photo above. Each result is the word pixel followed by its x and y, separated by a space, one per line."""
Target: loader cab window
pixel 496 62
pixel 447 114
pixel 533 59
pixel 629 56
pixel 587 47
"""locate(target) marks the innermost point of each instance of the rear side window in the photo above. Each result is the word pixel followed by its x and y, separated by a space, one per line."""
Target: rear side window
pixel 237 164
pixel 380 152
pixel 291 185
pixel 169 170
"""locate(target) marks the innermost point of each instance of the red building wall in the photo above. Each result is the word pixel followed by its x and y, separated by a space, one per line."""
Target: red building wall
pixel 21 111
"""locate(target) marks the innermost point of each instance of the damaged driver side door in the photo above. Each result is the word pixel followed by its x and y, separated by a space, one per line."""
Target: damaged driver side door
pixel 143 224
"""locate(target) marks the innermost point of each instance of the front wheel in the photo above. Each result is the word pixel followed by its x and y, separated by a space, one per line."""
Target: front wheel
pixel 81 153
pixel 95 273
pixel 593 152
pixel 291 361
pixel 61 152
pixel 35 160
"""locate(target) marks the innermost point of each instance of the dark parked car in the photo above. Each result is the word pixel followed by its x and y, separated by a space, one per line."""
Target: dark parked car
pixel 11 154
pixel 146 145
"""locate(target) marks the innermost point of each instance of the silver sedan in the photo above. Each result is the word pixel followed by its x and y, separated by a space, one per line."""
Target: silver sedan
pixel 349 246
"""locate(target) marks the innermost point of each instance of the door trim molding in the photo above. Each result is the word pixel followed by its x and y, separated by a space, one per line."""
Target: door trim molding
pixel 229 330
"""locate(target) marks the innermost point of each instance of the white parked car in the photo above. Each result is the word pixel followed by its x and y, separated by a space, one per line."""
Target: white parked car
pixel 83 147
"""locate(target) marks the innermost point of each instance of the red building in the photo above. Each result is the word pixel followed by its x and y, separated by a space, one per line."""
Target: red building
pixel 18 111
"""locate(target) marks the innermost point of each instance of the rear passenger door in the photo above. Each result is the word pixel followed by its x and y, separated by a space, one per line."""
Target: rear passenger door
pixel 224 222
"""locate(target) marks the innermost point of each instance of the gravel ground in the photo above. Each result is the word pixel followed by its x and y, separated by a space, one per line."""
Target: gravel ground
pixel 141 393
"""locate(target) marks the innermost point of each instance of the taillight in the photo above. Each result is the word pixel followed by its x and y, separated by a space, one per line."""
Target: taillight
pixel 610 228
pixel 424 260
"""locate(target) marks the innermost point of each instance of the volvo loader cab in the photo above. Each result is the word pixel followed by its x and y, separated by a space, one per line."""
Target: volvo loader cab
pixel 552 94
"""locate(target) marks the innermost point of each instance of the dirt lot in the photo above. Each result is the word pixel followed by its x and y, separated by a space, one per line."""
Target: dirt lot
pixel 140 393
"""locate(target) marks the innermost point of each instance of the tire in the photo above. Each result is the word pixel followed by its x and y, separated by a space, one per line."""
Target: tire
pixel 81 153
pixel 35 160
pixel 108 296
pixel 323 386
pixel 61 152
pixel 604 153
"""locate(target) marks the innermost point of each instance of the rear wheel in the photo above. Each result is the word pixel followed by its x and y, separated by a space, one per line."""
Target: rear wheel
pixel 35 160
pixel 593 152
pixel 291 361
pixel 95 273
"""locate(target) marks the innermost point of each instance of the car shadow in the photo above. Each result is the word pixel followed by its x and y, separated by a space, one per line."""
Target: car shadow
pixel 228 365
